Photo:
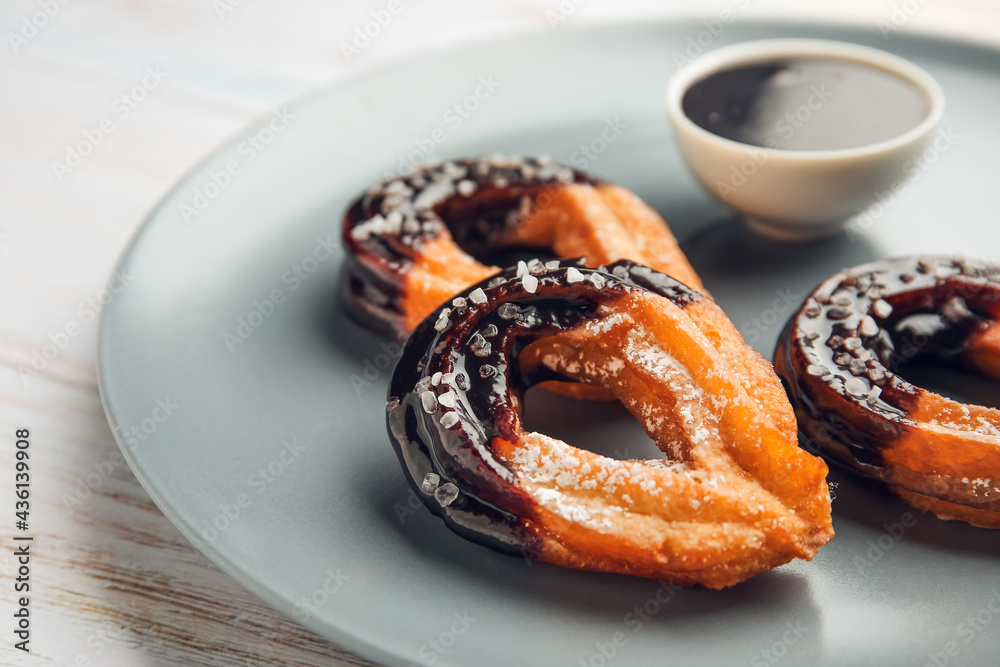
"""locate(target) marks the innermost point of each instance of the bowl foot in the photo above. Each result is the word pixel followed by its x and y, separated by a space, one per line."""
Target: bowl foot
pixel 792 233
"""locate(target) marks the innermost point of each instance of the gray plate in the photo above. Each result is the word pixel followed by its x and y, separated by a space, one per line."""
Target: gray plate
pixel 327 517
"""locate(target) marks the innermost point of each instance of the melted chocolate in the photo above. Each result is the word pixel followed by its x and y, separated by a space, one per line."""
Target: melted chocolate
pixel 809 104
pixel 458 385
pixel 477 200
pixel 841 353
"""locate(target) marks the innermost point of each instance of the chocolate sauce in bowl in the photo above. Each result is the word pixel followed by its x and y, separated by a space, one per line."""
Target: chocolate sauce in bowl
pixel 807 104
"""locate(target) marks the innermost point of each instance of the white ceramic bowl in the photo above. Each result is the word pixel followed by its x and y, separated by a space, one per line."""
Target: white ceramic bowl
pixel 798 194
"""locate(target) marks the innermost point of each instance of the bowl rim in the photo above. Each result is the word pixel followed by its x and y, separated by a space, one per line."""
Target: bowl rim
pixel 752 52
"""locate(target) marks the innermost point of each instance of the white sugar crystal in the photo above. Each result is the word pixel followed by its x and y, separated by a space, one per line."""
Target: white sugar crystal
pixel 431 481
pixel 395 187
pixel 466 187
pixel 573 276
pixel 454 171
pixel 432 194
pixel 855 386
pixel 522 269
pixel 597 279
pixel 508 311
pixel 478 296
pixel 955 309
pixel 442 321
pixel 446 494
pixel 458 302
pixel 436 379
pixel 530 283
pixel 449 419
pixel 429 402
pixel 447 400
pixel 868 326
pixel 552 264
pixel 480 346
pixel 882 308
pixel 376 225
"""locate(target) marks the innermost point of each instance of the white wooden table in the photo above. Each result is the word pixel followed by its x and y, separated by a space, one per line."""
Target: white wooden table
pixel 105 105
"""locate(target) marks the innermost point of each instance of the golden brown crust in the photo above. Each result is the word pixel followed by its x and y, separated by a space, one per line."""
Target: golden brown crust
pixel 840 356
pixel 602 223
pixel 740 498
pixel 405 237
pixel 949 511
pixel 735 496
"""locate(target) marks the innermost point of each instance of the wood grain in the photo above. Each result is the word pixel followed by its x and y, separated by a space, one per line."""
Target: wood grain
pixel 113 581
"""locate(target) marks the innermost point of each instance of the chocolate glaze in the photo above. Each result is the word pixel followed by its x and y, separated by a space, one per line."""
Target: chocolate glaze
pixel 475 199
pixel 458 385
pixel 840 354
